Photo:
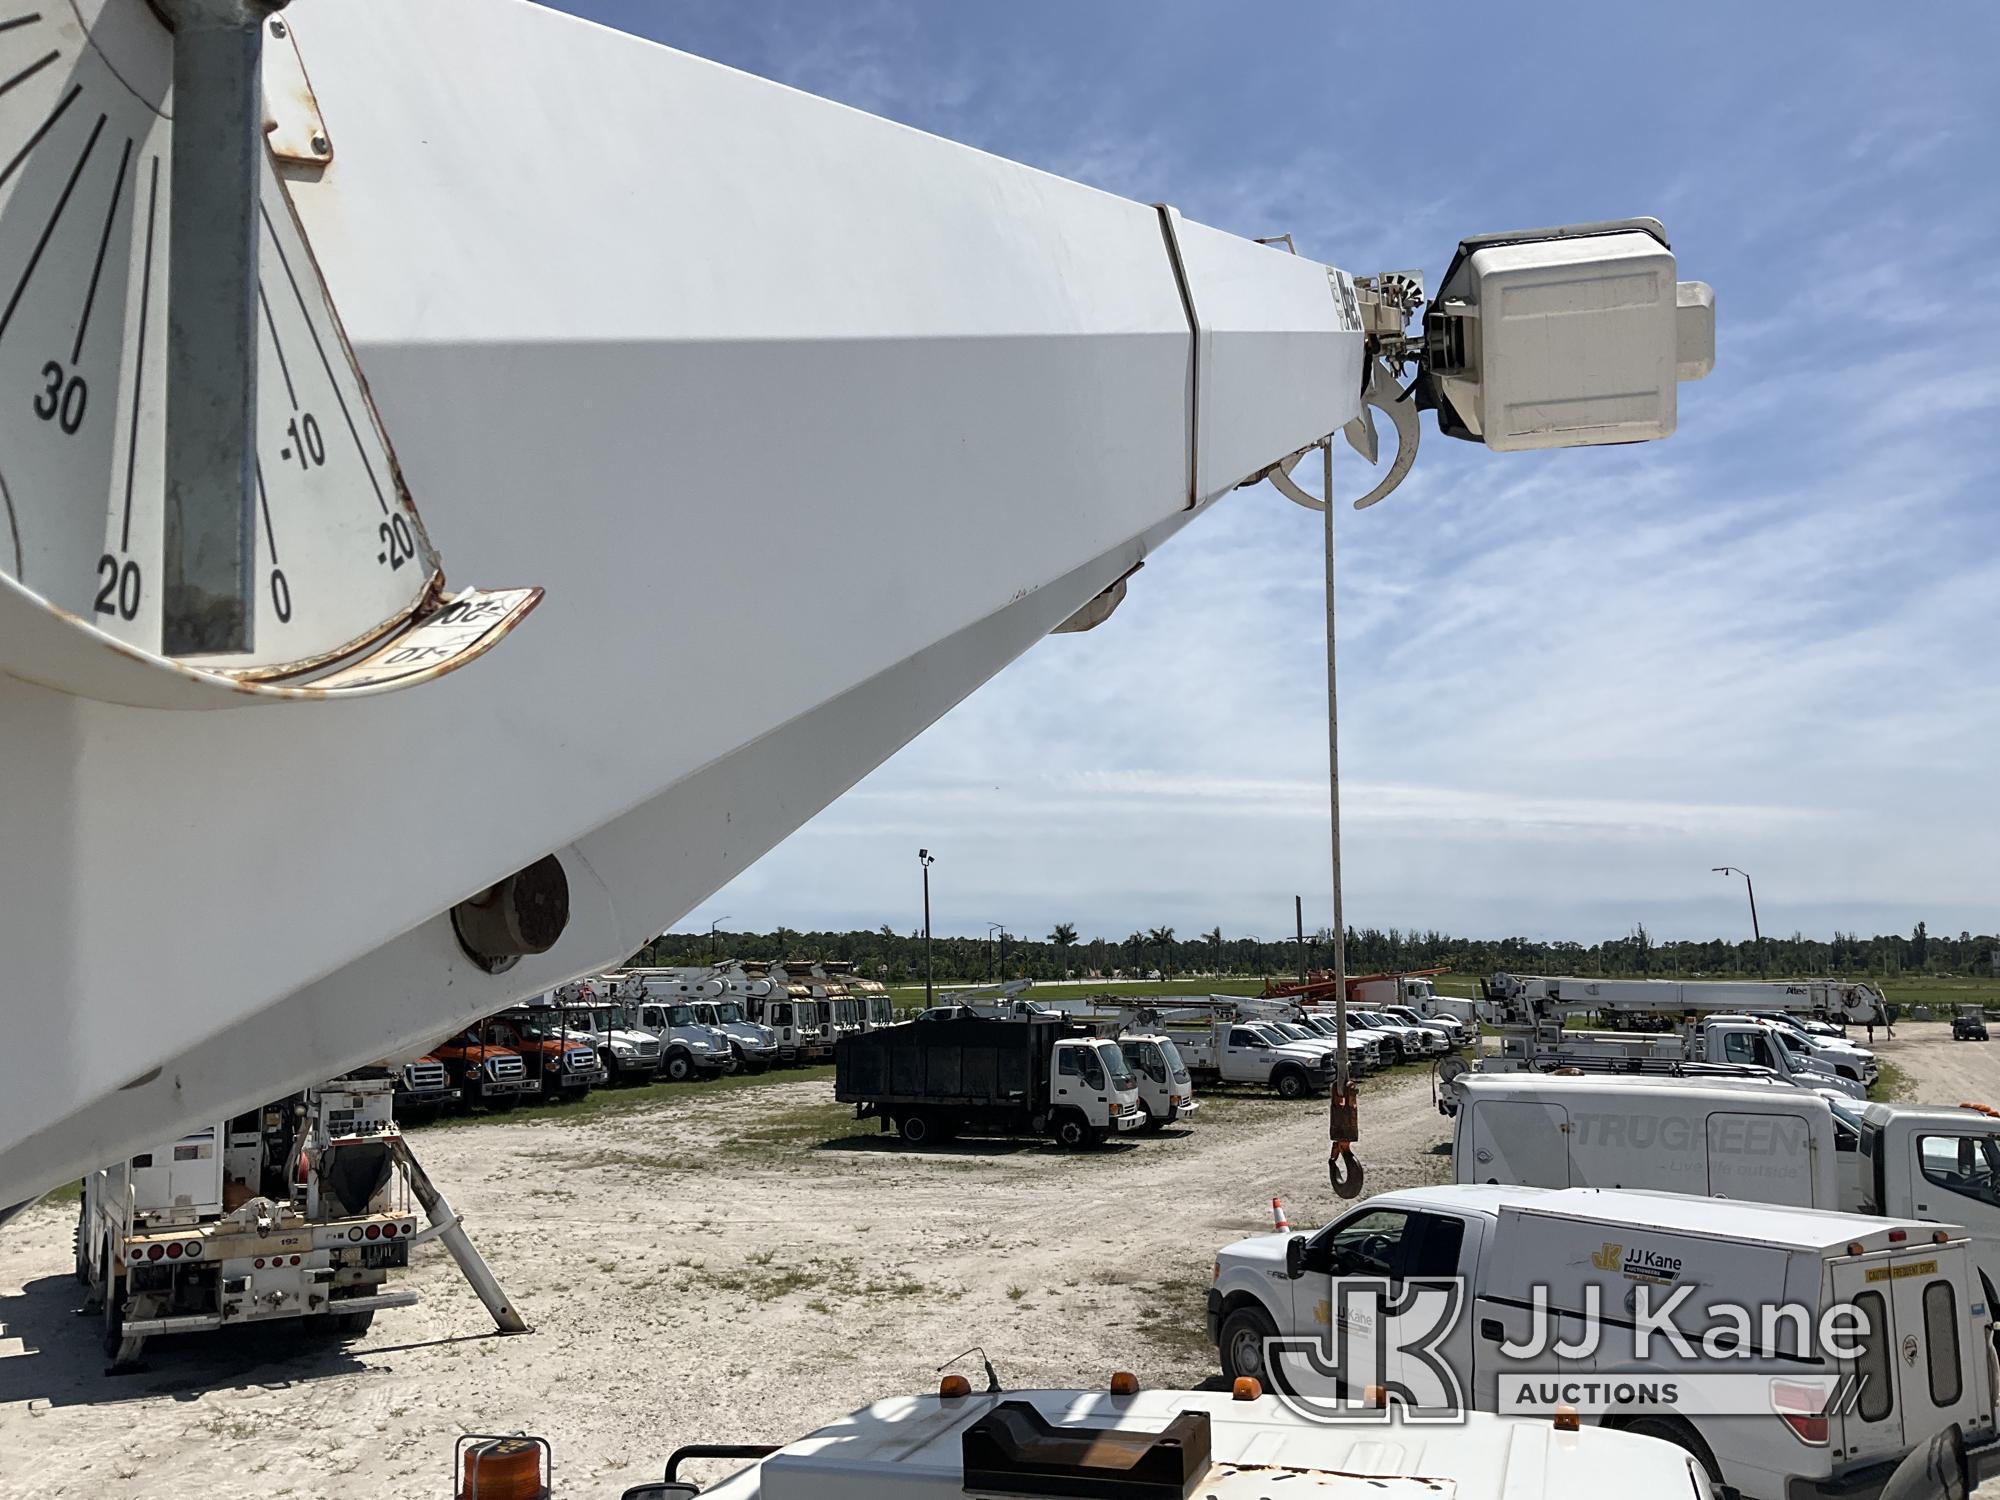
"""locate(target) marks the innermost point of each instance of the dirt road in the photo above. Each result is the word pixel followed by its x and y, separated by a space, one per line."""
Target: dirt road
pixel 717 1270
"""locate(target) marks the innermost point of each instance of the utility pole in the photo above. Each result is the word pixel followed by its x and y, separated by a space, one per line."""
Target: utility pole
pixel 924 859
pixel 1299 916
pixel 992 972
pixel 1756 932
pixel 711 939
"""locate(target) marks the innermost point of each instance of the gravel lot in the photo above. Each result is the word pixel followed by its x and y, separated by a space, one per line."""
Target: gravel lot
pixel 737 1265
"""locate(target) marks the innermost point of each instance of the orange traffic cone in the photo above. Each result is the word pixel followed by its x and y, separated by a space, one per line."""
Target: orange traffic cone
pixel 1279 1223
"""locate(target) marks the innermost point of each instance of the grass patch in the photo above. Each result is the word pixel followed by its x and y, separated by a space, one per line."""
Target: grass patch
pixel 1173 1319
pixel 1894 1084
pixel 69 1192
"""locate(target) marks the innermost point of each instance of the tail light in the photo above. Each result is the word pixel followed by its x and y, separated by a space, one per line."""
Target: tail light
pixel 174 1251
pixel 154 1252
pixel 373 1232
pixel 194 1249
pixel 1802 1408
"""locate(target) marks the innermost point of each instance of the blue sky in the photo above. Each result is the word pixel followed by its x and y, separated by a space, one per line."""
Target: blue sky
pixel 1571 683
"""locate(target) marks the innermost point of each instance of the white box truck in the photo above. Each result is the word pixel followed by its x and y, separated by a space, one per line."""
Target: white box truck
pixel 1808 1419
pixel 1738 1140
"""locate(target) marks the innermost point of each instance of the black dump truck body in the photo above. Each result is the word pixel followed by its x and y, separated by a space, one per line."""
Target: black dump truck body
pixel 941 1078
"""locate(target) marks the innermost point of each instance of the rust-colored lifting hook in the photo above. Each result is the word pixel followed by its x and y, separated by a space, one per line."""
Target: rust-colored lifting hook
pixel 1344 1126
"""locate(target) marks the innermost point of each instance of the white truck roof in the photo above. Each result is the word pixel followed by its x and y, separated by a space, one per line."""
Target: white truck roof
pixel 913 1447
pixel 1678 1213
pixel 1745 1095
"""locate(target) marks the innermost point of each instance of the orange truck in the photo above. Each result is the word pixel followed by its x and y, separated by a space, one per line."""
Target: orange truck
pixel 564 1061
pixel 484 1071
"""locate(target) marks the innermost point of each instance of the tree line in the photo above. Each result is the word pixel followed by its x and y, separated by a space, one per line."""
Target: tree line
pixel 899 958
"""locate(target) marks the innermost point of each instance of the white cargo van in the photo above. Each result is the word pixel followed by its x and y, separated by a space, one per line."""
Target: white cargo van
pixel 1738 1139
pixel 1761 1144
pixel 1920 1361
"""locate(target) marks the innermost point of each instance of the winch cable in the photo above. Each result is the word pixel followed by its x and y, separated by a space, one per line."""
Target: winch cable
pixel 1343 1113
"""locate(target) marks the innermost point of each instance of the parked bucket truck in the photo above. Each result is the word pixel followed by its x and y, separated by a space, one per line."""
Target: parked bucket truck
pixel 299 1210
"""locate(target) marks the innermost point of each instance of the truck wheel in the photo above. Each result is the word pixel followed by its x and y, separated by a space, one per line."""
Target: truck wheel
pixel 1240 1343
pixel 1073 1132
pixel 82 1244
pixel 1154 1123
pixel 1290 1084
pixel 915 1129
pixel 352 1325
pixel 1674 1430
pixel 680 1066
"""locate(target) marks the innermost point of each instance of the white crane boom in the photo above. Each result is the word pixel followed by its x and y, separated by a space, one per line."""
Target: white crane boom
pixel 622 313
pixel 1524 999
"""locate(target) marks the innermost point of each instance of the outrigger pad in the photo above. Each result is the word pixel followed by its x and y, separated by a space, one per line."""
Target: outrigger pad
pixel 1014 1449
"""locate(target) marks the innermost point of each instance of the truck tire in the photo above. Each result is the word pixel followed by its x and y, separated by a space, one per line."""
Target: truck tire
pixel 1073 1132
pixel 1154 1123
pixel 1240 1344
pixel 82 1244
pixel 351 1325
pixel 1681 1435
pixel 679 1066
pixel 915 1129
pixel 1290 1083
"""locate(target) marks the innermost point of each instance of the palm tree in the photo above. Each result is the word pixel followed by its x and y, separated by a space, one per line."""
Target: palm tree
pixel 1214 940
pixel 1162 938
pixel 1063 936
pixel 1137 943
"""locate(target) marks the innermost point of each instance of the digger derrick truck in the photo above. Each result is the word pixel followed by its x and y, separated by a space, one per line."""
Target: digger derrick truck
pixel 300 1210
pixel 285 363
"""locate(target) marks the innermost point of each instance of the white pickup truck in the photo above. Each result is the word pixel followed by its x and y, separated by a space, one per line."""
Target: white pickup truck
pixel 1475 1272
pixel 1248 1052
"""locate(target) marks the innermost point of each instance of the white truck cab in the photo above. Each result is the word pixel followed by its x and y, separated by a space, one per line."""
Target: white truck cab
pixel 1166 1089
pixel 756 1047
pixel 1454 1031
pixel 688 1048
pixel 1172 1445
pixel 1412 1042
pixel 1915 1344
pixel 1831 1056
pixel 1366 1050
pixel 632 1055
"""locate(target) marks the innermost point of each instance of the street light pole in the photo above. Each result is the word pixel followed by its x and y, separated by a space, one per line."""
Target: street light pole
pixel 924 859
pixel 992 970
pixel 1756 932
pixel 711 939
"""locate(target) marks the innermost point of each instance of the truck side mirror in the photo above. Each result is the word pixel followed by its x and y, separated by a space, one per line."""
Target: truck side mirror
pixel 1295 1257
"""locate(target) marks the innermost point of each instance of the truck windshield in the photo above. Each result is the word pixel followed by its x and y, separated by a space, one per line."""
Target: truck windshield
pixel 1145 1057
pixel 1121 1071
pixel 725 1014
pixel 680 1015
pixel 1293 1033
pixel 1175 1065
